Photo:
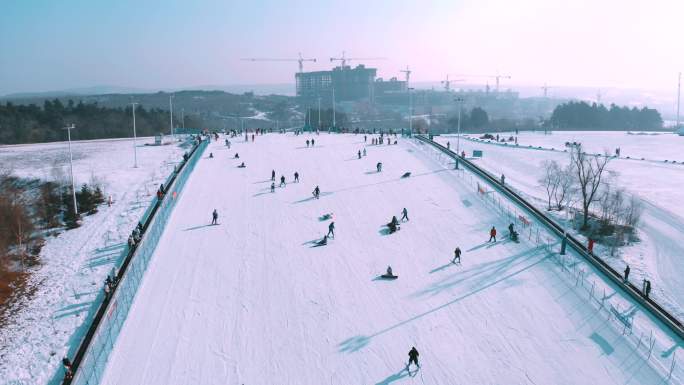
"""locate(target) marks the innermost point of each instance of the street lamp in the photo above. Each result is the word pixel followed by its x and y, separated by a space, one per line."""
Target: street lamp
pixel 71 167
pixel 460 101
pixel 171 114
pixel 135 137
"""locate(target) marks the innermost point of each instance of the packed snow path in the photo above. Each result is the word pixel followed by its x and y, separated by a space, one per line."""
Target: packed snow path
pixel 250 301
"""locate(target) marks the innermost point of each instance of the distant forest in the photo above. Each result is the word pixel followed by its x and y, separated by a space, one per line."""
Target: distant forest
pixel 581 115
pixel 34 124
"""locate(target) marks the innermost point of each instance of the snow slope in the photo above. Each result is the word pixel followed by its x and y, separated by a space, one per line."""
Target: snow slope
pixel 250 301
pixel 75 263
pixel 658 256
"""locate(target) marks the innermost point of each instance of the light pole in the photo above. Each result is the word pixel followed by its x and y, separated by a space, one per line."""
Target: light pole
pixel 333 103
pixel 171 114
pixel 71 167
pixel 319 112
pixel 410 114
pixel 135 137
pixel 460 101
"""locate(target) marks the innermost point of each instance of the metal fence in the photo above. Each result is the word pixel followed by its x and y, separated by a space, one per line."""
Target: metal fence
pixel 94 350
pixel 643 333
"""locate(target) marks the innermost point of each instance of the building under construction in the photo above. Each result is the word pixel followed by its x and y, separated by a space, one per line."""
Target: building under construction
pixel 350 84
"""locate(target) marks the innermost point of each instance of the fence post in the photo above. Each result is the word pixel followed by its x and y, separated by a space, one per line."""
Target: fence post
pixel 673 365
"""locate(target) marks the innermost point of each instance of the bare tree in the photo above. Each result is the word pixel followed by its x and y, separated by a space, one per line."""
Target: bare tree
pixel 566 187
pixel 589 175
pixel 633 211
pixel 550 179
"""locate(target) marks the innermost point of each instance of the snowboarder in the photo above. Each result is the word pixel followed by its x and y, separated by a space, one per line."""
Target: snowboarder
pixel 272 186
pixel 273 175
pixel 413 358
pixel 404 214
pixel 457 255
pixel 492 234
pixel 214 217
pixel 359 154
pixel 627 269
pixel 282 180
pixel 316 192
pixel 296 177
pixel 331 229
pixel 323 241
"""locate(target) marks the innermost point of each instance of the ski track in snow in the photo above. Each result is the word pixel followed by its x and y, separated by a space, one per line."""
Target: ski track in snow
pixel 74 264
pixel 251 302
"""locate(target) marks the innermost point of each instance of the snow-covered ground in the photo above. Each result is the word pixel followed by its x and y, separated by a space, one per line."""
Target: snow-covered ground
pixel 250 301
pixel 75 263
pixel 658 256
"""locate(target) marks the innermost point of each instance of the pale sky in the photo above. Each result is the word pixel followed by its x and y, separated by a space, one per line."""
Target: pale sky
pixel 51 45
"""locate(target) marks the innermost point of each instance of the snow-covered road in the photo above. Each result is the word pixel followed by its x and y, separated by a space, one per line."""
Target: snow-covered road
pixel 250 301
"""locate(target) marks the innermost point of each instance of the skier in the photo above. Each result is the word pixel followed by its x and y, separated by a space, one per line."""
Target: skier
pixel 316 192
pixel 404 214
pixel 627 269
pixel 359 154
pixel 492 234
pixel 273 175
pixel 282 180
pixel 296 177
pixel 272 186
pixel 413 358
pixel 331 230
pixel 214 217
pixel 457 255
pixel 364 152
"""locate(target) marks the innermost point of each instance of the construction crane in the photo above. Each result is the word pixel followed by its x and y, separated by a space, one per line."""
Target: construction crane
pixel 545 88
pixel 343 60
pixel 301 60
pixel 497 77
pixel 447 83
pixel 407 71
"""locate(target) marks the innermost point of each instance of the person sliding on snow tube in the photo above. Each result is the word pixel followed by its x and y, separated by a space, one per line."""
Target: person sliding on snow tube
pixel 512 233
pixel 323 241
pixel 379 166
pixel 237 156
pixel 242 165
pixel 393 225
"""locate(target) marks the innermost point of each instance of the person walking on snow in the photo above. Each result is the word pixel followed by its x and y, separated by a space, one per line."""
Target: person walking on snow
pixel 273 175
pixel 492 234
pixel 404 214
pixel 503 179
pixel 331 230
pixel 627 269
pixel 457 255
pixel 316 192
pixel 359 154
pixel 312 142
pixel 272 186
pixel 364 152
pixel 413 358
pixel 214 217
pixel 282 180
pixel 296 177
pixel 307 143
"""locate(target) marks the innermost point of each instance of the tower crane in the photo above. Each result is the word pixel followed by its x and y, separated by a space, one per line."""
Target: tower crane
pixel 545 88
pixel 300 60
pixel 497 77
pixel 343 60
pixel 407 71
pixel 447 83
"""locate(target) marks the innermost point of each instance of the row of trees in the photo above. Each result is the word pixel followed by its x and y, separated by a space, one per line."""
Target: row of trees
pixel 582 115
pixel 476 118
pixel 32 123
pixel 584 181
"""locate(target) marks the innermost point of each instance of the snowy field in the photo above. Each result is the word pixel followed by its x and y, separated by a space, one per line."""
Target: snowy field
pixel 658 256
pixel 250 301
pixel 75 263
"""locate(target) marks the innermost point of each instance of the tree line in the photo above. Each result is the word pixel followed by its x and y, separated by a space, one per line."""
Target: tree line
pixel 35 124
pixel 582 115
